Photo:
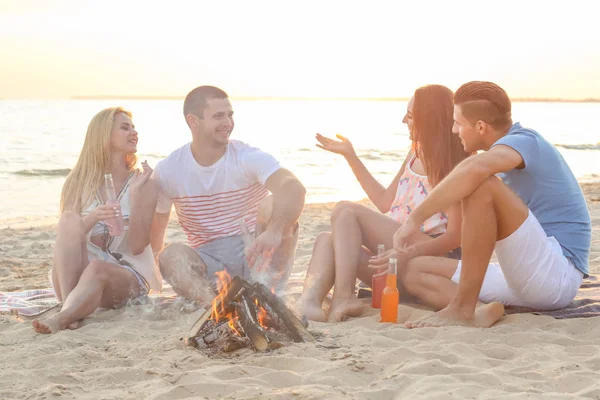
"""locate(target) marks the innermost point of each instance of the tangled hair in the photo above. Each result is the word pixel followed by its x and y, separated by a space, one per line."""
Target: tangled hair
pixel 197 100
pixel 433 141
pixel 87 176
pixel 484 101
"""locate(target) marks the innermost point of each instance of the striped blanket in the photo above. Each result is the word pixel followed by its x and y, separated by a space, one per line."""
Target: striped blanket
pixel 34 302
pixel 28 303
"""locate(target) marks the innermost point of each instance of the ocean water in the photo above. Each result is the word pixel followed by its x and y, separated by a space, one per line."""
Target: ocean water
pixel 40 141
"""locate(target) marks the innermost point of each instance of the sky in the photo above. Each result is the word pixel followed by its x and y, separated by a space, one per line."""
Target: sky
pixel 349 48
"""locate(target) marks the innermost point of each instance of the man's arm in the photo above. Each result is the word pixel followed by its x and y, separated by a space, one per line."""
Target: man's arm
pixel 158 230
pixel 288 201
pixel 465 178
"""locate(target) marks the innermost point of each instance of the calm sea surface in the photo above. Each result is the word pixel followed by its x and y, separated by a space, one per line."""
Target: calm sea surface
pixel 40 141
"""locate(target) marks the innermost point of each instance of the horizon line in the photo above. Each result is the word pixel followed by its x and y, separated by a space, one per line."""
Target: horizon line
pixel 335 98
pixel 301 98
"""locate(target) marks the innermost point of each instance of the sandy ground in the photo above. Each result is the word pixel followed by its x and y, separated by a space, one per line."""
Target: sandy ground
pixel 138 352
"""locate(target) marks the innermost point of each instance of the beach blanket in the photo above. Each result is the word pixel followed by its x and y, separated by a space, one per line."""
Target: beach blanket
pixel 31 303
pixel 28 303
pixel 35 302
pixel 585 304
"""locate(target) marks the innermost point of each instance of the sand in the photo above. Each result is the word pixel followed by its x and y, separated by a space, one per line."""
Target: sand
pixel 138 352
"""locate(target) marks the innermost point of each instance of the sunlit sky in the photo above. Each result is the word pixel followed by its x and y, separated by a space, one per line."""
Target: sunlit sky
pixel 63 48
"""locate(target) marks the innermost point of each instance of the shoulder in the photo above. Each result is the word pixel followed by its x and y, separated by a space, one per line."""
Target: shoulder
pixel 519 133
pixel 246 151
pixel 174 159
pixel 242 147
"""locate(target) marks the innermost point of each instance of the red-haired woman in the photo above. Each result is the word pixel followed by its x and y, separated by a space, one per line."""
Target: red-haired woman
pixel 346 253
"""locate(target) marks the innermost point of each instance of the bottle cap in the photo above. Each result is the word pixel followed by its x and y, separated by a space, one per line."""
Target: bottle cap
pixel 107 176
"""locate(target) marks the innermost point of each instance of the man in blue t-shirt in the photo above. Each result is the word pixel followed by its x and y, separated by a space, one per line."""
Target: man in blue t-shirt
pixel 520 199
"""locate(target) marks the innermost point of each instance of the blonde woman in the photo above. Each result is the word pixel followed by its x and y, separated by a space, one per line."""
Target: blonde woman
pixel 91 268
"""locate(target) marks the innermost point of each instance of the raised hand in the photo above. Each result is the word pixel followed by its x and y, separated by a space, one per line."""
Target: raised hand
pixel 140 177
pixel 342 146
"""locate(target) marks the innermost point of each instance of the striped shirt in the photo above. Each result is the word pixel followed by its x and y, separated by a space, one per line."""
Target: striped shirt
pixel 211 201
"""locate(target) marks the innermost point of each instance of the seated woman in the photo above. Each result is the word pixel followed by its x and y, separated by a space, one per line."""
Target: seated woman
pixel 344 254
pixel 92 268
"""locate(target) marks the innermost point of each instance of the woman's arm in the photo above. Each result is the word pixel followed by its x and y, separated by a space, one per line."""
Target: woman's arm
pixel 143 205
pixel 379 195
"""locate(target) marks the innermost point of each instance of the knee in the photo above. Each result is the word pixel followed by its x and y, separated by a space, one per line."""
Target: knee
pixel 167 256
pixel 70 222
pixel 342 209
pixel 484 194
pixel 177 260
pixel 323 239
pixel 97 270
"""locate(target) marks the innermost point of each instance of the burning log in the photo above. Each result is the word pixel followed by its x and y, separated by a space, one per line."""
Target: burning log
pixel 247 317
pixel 293 324
pixel 248 306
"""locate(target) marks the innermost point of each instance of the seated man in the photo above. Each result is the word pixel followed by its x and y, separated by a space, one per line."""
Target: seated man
pixel 535 218
pixel 215 184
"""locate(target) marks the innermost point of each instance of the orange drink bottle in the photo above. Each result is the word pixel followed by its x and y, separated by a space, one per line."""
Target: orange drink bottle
pixel 377 282
pixel 390 296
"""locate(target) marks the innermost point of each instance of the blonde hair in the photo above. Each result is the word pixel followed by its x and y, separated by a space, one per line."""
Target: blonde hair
pixel 87 176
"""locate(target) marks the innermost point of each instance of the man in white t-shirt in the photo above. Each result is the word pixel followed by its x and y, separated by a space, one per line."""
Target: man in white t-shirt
pixel 215 184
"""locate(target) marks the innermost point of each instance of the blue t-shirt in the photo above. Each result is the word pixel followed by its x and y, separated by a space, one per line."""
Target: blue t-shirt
pixel 550 190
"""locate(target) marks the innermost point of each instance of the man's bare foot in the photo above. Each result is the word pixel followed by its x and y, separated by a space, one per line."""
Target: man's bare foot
pixel 484 316
pixel 50 325
pixel 340 309
pixel 309 308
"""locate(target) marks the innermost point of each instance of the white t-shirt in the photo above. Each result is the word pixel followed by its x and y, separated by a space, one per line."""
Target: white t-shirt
pixel 211 201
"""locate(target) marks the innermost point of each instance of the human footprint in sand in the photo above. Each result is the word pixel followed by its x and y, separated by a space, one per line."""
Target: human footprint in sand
pixel 92 268
pixel 345 254
pixel 535 218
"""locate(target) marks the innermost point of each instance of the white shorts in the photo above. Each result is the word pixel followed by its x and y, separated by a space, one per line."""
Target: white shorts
pixel 531 271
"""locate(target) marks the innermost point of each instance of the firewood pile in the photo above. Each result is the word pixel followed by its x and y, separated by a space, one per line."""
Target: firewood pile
pixel 243 315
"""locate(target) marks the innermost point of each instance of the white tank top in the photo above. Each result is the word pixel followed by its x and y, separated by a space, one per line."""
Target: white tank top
pixel 118 249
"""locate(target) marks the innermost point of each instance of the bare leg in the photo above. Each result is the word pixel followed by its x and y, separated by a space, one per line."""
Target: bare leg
pixel 101 284
pixel 491 213
pixel 185 270
pixel 70 255
pixel 319 279
pixel 354 226
pixel 429 279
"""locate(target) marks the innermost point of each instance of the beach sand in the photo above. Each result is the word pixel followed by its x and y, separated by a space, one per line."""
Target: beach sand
pixel 138 352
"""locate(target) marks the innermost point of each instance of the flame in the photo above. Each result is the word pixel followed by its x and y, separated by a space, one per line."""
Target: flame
pixel 222 285
pixel 262 314
pixel 231 324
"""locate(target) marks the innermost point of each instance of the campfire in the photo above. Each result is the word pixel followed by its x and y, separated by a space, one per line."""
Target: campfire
pixel 246 314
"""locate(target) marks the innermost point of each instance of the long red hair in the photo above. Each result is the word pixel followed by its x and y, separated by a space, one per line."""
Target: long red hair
pixel 433 141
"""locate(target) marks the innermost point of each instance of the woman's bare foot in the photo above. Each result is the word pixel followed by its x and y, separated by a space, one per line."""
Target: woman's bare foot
pixel 73 325
pixel 342 308
pixel 309 308
pixel 484 316
pixel 47 326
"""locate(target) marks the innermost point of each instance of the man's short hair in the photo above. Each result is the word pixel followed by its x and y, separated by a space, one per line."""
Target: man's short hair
pixel 197 100
pixel 484 101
